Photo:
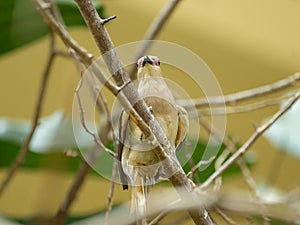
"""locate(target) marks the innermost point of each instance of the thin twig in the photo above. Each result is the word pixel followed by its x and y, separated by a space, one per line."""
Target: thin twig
pixel 76 185
pixel 234 202
pixel 84 168
pixel 198 165
pixel 156 26
pixel 165 151
pixel 230 148
pixel 243 95
pixel 121 77
pixel 226 218
pixel 161 215
pixel 82 119
pixel 60 30
pixel 191 162
pixel 111 191
pixel 69 198
pixel 77 51
pixel 243 108
pixel 25 147
pixel 115 163
pixel 218 163
pixel 242 150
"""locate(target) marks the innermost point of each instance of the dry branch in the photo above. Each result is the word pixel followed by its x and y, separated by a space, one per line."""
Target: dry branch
pixel 157 25
pixel 214 111
pixel 125 89
pixel 37 112
pixel 230 148
pixel 242 150
pixel 229 202
pixel 165 152
pixel 244 95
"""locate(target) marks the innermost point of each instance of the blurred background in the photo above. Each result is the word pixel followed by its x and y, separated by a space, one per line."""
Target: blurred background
pixel 245 43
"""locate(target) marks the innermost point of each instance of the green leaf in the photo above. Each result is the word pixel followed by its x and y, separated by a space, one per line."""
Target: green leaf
pixel 71 14
pixel 54 161
pixel 21 23
pixel 202 175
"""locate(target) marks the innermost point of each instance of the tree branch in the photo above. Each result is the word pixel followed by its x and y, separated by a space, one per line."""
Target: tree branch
pixel 241 151
pixel 230 147
pixel 165 152
pixel 85 165
pixel 38 108
pixel 95 137
pixel 60 30
pixel 244 95
pixel 214 111
pixel 157 24
pixel 60 216
pixel 234 202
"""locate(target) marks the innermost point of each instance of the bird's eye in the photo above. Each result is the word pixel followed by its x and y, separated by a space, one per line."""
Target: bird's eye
pixel 158 62
pixel 138 64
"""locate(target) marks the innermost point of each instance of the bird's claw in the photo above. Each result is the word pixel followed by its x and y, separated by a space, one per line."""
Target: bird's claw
pixel 150 109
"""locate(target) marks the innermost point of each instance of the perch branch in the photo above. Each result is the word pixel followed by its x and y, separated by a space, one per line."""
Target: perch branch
pixel 81 54
pixel 241 151
pixel 165 152
pixel 244 95
pixel 38 108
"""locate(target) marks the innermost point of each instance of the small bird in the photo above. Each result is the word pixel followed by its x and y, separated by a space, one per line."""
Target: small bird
pixel 139 165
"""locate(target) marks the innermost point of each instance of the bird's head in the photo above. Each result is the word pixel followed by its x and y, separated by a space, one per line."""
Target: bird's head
pixel 148 66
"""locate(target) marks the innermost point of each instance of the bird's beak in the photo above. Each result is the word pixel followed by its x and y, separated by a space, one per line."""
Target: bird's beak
pixel 147 60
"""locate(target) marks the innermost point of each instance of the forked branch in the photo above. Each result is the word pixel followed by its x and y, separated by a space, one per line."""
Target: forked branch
pixel 242 150
pixel 165 151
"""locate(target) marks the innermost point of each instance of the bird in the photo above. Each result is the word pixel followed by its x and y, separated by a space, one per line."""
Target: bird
pixel 139 166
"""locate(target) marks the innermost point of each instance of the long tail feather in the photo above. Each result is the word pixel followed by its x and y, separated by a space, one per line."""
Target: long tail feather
pixel 140 194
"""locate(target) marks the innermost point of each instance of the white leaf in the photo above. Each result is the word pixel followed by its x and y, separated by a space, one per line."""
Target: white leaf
pixel 285 132
pixel 5 221
pixel 53 134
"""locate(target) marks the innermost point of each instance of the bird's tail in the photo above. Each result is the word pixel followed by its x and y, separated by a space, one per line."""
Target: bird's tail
pixel 140 194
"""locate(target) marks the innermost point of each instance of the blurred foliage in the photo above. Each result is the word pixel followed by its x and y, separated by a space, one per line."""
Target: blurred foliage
pixel 70 219
pixel 61 162
pixel 21 23
pixel 202 175
pixel 285 133
pixel 54 160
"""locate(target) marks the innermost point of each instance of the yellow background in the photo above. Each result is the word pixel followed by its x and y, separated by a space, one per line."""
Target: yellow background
pixel 245 43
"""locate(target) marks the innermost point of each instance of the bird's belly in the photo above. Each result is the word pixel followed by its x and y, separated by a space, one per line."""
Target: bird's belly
pixel 142 158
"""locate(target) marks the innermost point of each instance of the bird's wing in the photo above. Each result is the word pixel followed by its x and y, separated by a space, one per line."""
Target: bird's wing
pixel 123 123
pixel 183 127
